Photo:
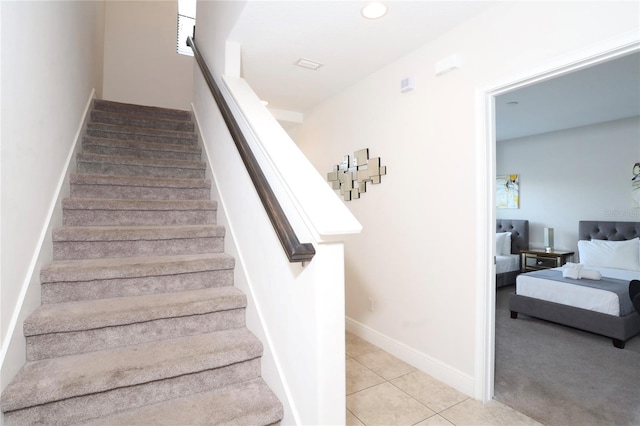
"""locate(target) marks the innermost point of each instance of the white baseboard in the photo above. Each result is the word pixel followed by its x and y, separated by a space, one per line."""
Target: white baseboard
pixel 435 368
pixel 13 350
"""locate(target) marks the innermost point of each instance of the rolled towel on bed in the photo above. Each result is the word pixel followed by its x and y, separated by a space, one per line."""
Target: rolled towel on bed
pixel 578 271
pixel 571 270
pixel 590 274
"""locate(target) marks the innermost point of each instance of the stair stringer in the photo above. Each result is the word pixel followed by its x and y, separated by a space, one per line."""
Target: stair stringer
pixel 271 368
pixel 307 312
pixel 14 349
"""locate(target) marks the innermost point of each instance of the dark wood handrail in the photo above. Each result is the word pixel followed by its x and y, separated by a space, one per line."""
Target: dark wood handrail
pixel 296 251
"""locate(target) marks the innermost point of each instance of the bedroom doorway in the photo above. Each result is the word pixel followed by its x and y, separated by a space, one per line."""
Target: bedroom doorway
pixel 485 352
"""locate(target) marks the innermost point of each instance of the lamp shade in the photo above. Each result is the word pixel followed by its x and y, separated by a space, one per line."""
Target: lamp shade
pixel 548 237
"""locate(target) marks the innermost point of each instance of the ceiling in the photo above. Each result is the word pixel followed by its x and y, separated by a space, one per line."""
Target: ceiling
pixel 603 92
pixel 275 34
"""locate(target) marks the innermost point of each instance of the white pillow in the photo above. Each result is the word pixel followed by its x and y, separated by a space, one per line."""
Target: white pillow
pixel 500 237
pixel 503 243
pixel 610 254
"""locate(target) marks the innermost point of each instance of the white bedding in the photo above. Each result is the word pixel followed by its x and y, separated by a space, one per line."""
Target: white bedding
pixel 593 299
pixel 507 263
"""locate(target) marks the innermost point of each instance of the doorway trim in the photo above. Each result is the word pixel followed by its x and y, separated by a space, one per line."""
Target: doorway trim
pixel 613 48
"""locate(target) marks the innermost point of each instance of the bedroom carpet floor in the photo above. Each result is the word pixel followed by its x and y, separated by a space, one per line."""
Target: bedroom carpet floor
pixel 561 376
pixel 383 390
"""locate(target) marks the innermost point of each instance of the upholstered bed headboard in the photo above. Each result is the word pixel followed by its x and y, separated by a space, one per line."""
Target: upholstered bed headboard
pixel 605 230
pixel 519 233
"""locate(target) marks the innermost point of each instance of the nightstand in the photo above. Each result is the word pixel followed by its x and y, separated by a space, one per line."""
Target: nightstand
pixel 536 259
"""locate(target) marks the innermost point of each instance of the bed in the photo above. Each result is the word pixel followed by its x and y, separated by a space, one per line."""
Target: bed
pixel 587 308
pixel 508 256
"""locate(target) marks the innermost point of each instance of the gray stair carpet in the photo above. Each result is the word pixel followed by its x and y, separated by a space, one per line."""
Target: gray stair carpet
pixel 140 322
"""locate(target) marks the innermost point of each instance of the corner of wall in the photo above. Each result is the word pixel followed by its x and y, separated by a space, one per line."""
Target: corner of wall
pixel 98 47
pixel 435 368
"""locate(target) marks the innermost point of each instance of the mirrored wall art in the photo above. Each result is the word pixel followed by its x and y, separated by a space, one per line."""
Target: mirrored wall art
pixel 354 173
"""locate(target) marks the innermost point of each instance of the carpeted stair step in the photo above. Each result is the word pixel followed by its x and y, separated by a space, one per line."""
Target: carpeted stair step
pixel 60 329
pixel 139 322
pixel 135 120
pixel 93 242
pixel 88 279
pixel 144 110
pixel 136 166
pixel 87 185
pixel 141 149
pixel 77 388
pixel 112 212
pixel 247 403
pixel 112 131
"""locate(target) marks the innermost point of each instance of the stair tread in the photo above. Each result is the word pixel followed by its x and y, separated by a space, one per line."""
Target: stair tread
pixel 137 205
pixel 147 131
pixel 245 403
pixel 160 182
pixel 41 382
pixel 94 140
pixel 97 115
pixel 100 313
pixel 142 161
pixel 135 233
pixel 113 268
pixel 107 105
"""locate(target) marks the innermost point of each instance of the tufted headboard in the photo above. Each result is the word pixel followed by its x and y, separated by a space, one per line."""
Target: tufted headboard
pixel 519 233
pixel 603 230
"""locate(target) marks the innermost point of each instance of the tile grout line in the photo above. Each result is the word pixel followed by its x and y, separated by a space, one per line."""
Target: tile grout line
pixel 436 413
pixel 389 381
pixel 442 417
pixel 368 387
pixel 359 419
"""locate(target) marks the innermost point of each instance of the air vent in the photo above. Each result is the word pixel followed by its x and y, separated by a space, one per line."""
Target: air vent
pixel 308 64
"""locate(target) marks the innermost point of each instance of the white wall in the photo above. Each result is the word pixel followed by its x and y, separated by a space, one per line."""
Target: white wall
pixel 51 62
pixel 141 64
pixel 576 174
pixel 296 310
pixel 417 255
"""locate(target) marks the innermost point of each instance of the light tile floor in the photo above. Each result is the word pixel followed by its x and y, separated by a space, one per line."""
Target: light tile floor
pixel 384 391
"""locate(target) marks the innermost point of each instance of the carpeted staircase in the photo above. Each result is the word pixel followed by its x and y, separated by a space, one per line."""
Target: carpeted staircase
pixel 140 322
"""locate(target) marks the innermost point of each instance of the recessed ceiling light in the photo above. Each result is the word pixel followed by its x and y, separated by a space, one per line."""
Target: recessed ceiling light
pixel 308 64
pixel 265 103
pixel 374 10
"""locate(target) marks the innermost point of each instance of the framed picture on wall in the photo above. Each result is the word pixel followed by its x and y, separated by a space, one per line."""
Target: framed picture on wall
pixel 507 192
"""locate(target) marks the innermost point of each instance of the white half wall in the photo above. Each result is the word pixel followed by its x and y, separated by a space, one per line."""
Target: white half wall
pixel 296 310
pixel 50 67
pixel 417 255
pixel 141 65
pixel 576 174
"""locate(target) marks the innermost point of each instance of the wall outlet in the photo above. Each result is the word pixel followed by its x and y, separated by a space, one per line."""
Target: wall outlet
pixel 372 304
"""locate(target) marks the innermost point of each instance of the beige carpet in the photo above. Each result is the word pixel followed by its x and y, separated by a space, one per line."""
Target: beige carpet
pixel 140 322
pixel 561 376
